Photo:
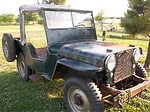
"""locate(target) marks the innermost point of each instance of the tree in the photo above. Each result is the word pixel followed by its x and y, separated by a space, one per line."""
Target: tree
pixel 11 18
pixel 31 16
pixel 7 18
pixel 100 16
pixel 137 21
pixel 56 2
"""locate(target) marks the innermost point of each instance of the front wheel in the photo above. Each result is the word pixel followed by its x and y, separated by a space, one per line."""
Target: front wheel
pixel 82 95
pixel 23 69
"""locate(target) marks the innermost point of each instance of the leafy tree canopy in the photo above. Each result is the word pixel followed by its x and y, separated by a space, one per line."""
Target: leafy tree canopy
pixel 57 2
pixel 7 18
pixel 137 21
pixel 100 16
pixel 137 18
pixel 30 16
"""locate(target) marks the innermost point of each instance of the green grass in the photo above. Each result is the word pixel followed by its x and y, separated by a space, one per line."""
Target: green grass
pixel 46 96
pixel 18 96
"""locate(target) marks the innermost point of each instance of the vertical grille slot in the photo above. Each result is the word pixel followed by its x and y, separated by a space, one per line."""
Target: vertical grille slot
pixel 124 65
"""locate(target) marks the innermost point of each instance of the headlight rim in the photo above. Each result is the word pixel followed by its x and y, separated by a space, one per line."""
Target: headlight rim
pixel 135 55
pixel 107 60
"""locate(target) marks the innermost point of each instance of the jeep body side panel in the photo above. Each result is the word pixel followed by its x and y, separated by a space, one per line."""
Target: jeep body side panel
pixel 77 65
pixel 47 66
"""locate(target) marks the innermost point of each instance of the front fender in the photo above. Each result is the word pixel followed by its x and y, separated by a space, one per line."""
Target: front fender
pixel 78 65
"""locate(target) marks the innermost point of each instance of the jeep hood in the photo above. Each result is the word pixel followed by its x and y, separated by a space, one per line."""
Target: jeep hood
pixel 91 52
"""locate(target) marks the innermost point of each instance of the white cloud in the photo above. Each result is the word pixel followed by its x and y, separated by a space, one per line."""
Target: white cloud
pixel 12 6
pixel 114 8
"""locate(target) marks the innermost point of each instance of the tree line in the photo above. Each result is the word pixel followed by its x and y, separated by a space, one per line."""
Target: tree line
pixel 8 18
pixel 12 18
pixel 35 17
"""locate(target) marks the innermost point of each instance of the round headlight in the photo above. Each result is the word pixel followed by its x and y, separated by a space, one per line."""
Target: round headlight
pixel 136 54
pixel 110 62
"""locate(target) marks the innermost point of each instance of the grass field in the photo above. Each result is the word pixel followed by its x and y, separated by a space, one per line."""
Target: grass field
pixel 46 96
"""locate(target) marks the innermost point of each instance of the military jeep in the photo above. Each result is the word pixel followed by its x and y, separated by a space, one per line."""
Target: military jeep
pixel 95 72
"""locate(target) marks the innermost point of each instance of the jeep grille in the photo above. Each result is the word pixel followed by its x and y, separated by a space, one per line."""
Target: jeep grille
pixel 124 65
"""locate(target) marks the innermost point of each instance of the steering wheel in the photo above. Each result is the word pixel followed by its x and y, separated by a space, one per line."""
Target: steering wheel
pixel 80 25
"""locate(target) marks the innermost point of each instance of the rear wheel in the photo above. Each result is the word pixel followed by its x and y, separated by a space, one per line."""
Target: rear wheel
pixel 9 48
pixel 82 95
pixel 23 69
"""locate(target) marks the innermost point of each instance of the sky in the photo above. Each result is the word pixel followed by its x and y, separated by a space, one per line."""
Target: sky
pixel 112 8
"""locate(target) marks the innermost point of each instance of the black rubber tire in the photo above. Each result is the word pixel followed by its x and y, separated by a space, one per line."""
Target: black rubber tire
pixel 23 70
pixel 9 48
pixel 140 71
pixel 80 92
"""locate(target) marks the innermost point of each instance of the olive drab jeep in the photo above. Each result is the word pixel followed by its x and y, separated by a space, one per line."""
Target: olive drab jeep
pixel 94 71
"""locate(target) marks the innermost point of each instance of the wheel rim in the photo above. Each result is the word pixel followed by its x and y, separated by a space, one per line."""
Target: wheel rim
pixel 5 48
pixel 21 67
pixel 78 100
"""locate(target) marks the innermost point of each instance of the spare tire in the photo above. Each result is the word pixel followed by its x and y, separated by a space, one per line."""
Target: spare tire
pixel 140 71
pixel 9 48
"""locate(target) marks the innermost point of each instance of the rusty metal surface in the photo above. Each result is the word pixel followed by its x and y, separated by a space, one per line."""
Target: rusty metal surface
pixel 122 96
pixel 42 52
pixel 124 67
pixel 127 94
pixel 115 46
pixel 110 90
pixel 36 77
pixel 140 87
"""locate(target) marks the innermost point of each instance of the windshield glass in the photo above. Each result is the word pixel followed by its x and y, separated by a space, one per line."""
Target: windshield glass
pixel 61 19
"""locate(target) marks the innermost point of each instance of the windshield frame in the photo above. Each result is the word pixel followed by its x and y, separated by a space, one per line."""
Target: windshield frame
pixel 71 18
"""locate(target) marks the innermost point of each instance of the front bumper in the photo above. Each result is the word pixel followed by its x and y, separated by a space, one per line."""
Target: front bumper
pixel 122 96
pixel 127 94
